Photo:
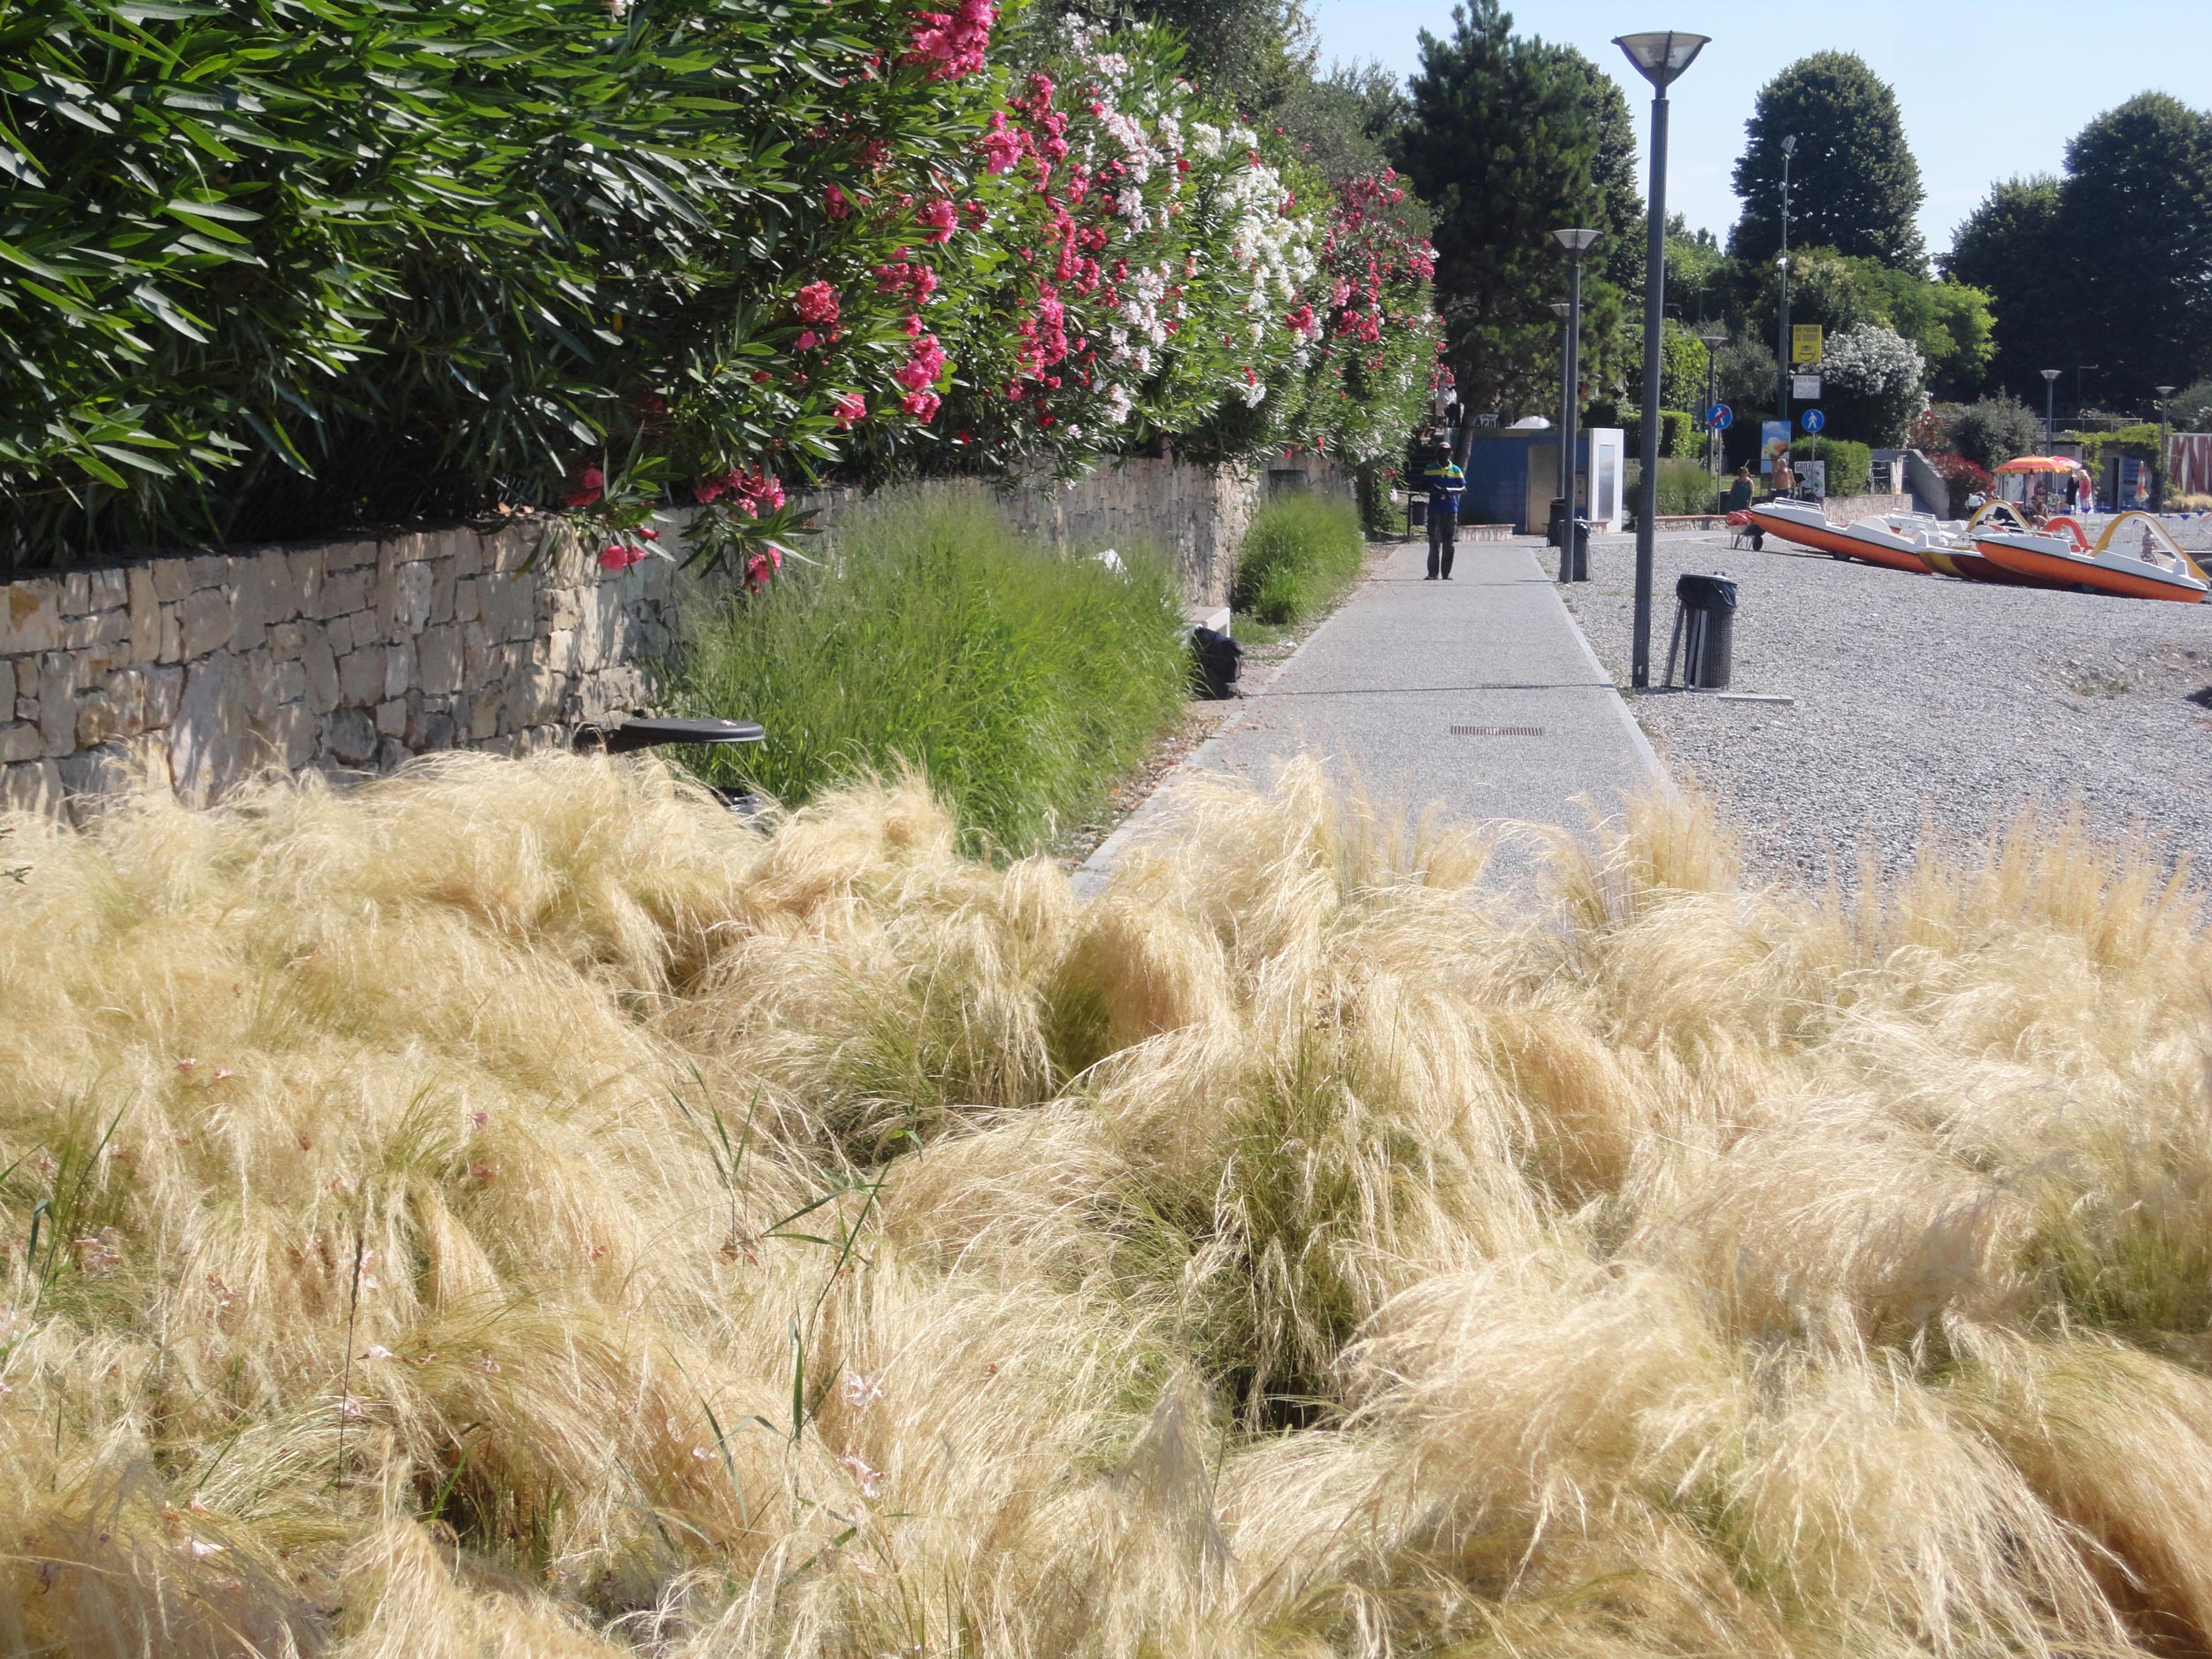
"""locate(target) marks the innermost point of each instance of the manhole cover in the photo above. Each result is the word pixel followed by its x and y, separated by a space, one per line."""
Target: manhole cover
pixel 1497 731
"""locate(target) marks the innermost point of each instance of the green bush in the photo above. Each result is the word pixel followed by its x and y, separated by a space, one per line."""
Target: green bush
pixel 1990 431
pixel 1302 551
pixel 1677 433
pixel 1022 683
pixel 1684 487
pixel 1850 465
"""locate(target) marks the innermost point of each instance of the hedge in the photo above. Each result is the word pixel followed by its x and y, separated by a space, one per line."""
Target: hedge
pixel 271 268
pixel 1850 465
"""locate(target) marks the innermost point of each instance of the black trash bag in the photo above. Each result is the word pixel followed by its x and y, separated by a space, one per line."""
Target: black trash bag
pixel 1216 661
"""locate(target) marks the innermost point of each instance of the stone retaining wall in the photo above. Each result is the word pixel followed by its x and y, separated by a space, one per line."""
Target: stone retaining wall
pixel 350 655
pixel 340 654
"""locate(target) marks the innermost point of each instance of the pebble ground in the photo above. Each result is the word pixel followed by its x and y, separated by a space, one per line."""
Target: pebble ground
pixel 1923 706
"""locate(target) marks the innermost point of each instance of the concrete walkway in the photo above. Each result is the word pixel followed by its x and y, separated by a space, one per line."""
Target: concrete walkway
pixel 1479 693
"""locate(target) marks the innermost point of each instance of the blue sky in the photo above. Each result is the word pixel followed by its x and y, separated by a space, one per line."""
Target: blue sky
pixel 1988 90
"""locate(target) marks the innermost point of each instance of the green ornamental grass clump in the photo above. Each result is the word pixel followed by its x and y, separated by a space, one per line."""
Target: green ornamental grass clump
pixel 1302 551
pixel 1021 681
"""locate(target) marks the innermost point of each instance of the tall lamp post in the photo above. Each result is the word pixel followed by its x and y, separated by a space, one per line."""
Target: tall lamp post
pixel 2050 422
pixel 1576 243
pixel 1660 56
pixel 1562 311
pixel 1782 312
pixel 1714 340
pixel 2165 443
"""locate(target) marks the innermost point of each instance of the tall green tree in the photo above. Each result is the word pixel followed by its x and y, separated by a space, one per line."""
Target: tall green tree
pixel 1854 184
pixel 2110 264
pixel 1505 142
pixel 2015 248
pixel 1253 56
pixel 2135 212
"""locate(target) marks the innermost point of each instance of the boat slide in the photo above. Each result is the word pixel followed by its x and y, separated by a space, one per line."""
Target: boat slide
pixel 2137 557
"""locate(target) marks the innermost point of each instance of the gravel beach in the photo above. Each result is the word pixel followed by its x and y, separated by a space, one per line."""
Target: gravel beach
pixel 1922 701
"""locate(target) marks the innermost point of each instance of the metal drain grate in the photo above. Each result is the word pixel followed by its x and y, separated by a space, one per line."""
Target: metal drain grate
pixel 1497 731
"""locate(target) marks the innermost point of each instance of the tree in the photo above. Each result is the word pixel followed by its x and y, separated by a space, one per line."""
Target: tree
pixel 1345 122
pixel 1620 257
pixel 2137 211
pixel 1854 184
pixel 2014 247
pixel 1251 56
pixel 1504 144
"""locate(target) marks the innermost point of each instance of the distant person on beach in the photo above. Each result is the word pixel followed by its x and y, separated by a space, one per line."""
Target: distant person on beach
pixel 1739 492
pixel 1445 481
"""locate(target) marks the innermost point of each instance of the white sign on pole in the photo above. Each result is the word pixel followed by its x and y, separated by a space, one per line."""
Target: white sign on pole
pixel 1805 388
pixel 1812 478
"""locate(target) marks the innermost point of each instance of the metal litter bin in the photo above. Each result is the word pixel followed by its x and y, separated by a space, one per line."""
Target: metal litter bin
pixel 1555 528
pixel 1704 630
pixel 1581 551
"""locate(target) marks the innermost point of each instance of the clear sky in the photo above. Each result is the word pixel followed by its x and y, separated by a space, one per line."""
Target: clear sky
pixel 1988 90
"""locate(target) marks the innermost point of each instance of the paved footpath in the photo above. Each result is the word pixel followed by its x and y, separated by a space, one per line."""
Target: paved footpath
pixel 1479 693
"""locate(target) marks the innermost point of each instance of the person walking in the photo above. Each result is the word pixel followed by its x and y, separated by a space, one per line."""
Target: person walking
pixel 1445 481
pixel 1785 476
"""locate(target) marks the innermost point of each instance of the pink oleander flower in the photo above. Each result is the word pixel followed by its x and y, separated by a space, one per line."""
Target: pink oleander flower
pixel 1002 146
pixel 613 557
pixel 591 483
pixel 911 327
pixel 940 217
pixel 835 202
pixel 922 405
pixel 953 42
pixel 817 303
pixel 851 407
pixel 922 367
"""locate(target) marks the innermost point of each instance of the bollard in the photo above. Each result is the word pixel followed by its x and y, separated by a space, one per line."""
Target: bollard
pixel 1582 549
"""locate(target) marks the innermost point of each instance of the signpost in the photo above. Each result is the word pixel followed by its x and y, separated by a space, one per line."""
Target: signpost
pixel 1814 421
pixel 1805 387
pixel 1804 342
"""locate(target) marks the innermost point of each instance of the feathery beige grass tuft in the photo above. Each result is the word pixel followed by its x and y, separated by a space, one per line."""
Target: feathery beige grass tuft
pixel 518 1208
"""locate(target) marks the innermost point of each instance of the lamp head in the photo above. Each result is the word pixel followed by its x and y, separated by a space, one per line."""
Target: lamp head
pixel 2052 374
pixel 1578 241
pixel 1661 55
pixel 2164 391
pixel 1714 341
pixel 1789 144
pixel 1560 308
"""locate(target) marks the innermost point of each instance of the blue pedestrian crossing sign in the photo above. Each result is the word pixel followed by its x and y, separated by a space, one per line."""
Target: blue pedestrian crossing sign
pixel 1719 418
pixel 1814 421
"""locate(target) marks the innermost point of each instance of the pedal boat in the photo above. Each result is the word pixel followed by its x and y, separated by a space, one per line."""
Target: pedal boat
pixel 2137 557
pixel 1871 541
pixel 1949 550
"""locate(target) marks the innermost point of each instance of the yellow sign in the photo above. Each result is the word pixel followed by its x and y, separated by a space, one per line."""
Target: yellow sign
pixel 1804 342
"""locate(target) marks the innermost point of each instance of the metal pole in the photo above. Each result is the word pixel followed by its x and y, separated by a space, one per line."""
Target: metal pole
pixel 1709 411
pixel 1565 492
pixel 1782 347
pixel 1654 322
pixel 1574 387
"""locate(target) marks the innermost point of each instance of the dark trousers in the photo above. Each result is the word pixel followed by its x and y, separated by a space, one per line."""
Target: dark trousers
pixel 1443 531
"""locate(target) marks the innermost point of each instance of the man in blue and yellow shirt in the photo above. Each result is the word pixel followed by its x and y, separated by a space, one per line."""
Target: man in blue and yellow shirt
pixel 1445 481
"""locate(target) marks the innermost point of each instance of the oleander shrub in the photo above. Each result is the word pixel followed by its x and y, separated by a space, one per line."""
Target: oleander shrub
pixel 1303 548
pixel 1988 432
pixel 520 1208
pixel 1022 683
pixel 268 268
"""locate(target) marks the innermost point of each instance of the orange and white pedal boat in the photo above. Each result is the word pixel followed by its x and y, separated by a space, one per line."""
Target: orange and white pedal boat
pixel 2136 557
pixel 1803 523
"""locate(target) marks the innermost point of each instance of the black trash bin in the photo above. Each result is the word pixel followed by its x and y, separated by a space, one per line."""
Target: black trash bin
pixel 1217 662
pixel 1417 511
pixel 1554 529
pixel 1581 551
pixel 1704 630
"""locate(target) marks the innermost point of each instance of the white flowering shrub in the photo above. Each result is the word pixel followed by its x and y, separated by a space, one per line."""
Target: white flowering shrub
pixel 1875 384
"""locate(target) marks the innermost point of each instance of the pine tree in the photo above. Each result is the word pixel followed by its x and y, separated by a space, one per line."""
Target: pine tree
pixel 1506 145
pixel 1854 184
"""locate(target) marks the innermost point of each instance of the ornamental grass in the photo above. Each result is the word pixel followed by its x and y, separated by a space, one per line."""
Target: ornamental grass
pixel 521 1207
pixel 1302 550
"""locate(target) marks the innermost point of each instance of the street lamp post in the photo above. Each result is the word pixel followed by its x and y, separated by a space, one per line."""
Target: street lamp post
pixel 1660 56
pixel 1782 312
pixel 2165 443
pixel 2050 423
pixel 1562 309
pixel 1714 340
pixel 1576 243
